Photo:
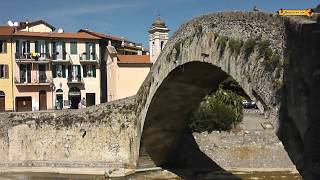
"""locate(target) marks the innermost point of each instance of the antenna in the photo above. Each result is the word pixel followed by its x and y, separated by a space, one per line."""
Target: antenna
pixel 60 30
pixel 10 23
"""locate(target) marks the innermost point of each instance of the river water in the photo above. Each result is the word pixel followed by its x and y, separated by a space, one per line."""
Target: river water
pixel 155 175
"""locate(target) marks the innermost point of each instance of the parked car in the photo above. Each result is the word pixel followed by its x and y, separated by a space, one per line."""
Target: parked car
pixel 249 104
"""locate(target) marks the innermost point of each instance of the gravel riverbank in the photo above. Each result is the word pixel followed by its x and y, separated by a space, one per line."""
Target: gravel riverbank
pixel 252 146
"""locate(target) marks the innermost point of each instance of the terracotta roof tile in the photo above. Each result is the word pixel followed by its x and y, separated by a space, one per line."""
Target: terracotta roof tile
pixel 135 59
pixel 6 30
pixel 65 35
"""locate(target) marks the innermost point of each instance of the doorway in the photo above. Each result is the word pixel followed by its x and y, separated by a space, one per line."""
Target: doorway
pixel 2 101
pixel 91 99
pixel 59 99
pixel 74 97
pixel 42 100
pixel 23 104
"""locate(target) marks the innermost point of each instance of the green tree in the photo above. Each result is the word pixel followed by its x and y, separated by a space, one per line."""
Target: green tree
pixel 219 111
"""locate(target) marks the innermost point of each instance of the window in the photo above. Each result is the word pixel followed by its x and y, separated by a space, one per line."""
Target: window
pixel 73 48
pixel 90 51
pixel 4 71
pixel 89 71
pixel 3 46
pixel 59 71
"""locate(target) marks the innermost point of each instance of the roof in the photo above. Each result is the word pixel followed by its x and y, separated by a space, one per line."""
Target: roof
pixel 6 30
pixel 64 35
pixel 101 35
pixel 34 23
pixel 134 59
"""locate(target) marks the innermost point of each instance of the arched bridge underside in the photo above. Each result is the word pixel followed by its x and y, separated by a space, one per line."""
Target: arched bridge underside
pixel 276 62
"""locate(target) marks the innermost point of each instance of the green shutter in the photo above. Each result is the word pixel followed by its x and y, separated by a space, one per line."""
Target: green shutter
pixel 94 50
pixel 17 47
pixel 94 70
pixel 84 67
pixel 47 48
pixel 79 70
pixel 4 46
pixel 54 71
pixel 6 71
pixel 69 71
pixel 73 48
pixel 87 51
pixel 63 71
pixel 37 44
pixel 64 53
pixel 54 50
pixel 28 46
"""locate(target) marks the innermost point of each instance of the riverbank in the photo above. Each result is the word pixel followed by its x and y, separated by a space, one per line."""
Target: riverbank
pixel 253 146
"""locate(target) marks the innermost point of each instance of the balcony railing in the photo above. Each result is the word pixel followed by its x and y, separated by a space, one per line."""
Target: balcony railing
pixel 75 79
pixel 41 80
pixel 92 58
pixel 33 57
pixel 66 58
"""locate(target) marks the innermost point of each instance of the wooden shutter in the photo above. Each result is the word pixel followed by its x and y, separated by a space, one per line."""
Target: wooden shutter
pixel 4 46
pixel 36 46
pixel 54 50
pixel 6 71
pixel 63 71
pixel 29 72
pixel 73 48
pixel 28 46
pixel 84 67
pixel 94 51
pixel 87 51
pixel 47 48
pixel 17 47
pixel 54 71
pixel 69 71
pixel 64 53
pixel 94 70
pixel 79 70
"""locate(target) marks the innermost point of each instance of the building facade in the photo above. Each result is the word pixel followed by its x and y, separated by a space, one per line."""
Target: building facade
pixel 126 73
pixel 6 83
pixel 46 70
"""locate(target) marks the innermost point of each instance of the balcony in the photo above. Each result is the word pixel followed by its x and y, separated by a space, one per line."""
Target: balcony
pixel 40 81
pixel 33 58
pixel 92 58
pixel 75 80
pixel 64 58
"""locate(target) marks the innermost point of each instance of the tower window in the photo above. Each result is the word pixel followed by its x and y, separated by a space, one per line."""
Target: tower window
pixel 161 45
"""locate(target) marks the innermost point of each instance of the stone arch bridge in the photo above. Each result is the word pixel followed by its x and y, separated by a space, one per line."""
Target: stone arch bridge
pixel 274 59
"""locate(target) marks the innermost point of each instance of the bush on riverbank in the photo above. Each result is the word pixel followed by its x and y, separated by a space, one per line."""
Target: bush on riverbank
pixel 219 111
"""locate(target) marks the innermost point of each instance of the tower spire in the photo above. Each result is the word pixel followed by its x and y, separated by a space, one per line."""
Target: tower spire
pixel 158 37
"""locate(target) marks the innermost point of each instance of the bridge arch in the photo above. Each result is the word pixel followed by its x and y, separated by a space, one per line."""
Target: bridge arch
pixel 201 53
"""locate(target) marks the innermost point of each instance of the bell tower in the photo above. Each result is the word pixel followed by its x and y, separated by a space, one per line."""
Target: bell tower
pixel 158 37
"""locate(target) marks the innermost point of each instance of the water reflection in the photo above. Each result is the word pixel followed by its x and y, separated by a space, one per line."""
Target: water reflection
pixel 156 175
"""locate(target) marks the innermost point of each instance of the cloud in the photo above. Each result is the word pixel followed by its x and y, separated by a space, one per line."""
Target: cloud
pixel 84 10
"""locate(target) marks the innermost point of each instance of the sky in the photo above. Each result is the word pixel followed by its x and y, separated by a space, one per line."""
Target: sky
pixel 130 18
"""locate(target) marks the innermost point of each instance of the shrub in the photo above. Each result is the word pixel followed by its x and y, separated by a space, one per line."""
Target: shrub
pixel 272 62
pixel 222 42
pixel 217 112
pixel 263 47
pixel 277 84
pixel 235 46
pixel 249 47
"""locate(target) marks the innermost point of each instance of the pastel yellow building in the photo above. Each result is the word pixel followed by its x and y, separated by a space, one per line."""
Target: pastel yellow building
pixel 6 80
pixel 125 74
